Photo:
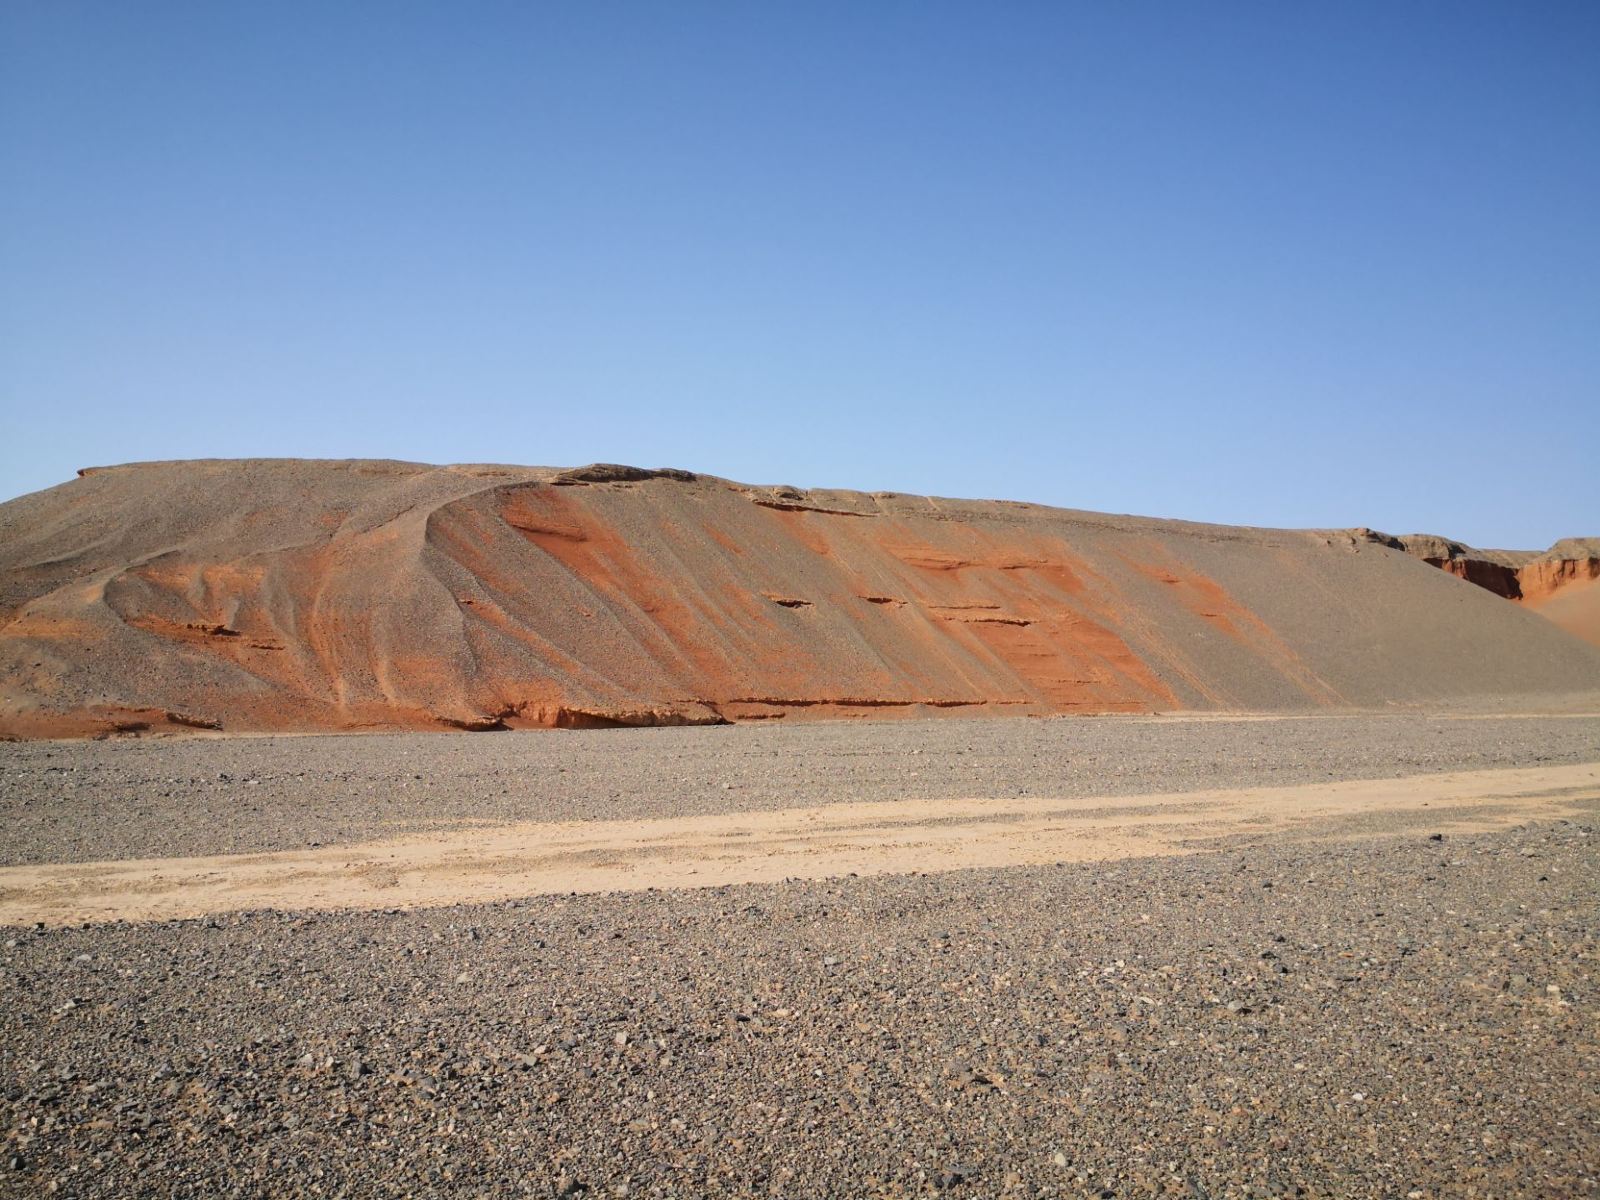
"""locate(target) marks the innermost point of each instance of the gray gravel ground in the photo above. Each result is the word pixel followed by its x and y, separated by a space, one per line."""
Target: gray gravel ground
pixel 75 802
pixel 1396 1017
pixel 1385 1016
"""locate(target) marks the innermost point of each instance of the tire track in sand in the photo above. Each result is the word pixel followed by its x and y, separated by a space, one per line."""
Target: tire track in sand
pixel 499 862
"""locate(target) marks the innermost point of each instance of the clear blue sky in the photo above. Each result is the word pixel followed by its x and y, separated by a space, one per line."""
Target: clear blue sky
pixel 1284 264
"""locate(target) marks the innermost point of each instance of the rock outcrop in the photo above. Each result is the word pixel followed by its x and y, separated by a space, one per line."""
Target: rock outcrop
pixel 1557 583
pixel 295 595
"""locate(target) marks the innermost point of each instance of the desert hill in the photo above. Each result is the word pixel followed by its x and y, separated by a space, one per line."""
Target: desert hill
pixel 1562 584
pixel 317 595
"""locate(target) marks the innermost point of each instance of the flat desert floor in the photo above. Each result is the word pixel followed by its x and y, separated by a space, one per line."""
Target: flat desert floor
pixel 1321 956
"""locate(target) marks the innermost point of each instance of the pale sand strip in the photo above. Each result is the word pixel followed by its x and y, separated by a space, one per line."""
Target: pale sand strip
pixel 526 859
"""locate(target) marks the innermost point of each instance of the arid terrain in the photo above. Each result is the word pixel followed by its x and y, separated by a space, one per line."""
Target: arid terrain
pixel 290 595
pixel 1562 584
pixel 1118 956
pixel 1237 863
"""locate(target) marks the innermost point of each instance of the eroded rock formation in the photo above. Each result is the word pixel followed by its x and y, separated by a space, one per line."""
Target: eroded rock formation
pixel 293 595
pixel 1557 583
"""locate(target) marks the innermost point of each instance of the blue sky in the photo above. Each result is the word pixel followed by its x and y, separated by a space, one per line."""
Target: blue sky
pixel 1282 264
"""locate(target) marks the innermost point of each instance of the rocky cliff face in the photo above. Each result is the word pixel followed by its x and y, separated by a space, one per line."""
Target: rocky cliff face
pixel 1556 583
pixel 292 595
pixel 1570 563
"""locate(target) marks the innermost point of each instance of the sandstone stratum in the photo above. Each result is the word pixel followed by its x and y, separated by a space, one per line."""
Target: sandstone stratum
pixel 288 595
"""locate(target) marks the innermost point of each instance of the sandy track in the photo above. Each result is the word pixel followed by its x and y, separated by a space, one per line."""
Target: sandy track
pixel 541 858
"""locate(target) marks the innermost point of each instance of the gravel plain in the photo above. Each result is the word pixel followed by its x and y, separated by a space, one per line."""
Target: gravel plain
pixel 158 797
pixel 1388 1018
pixel 1383 1015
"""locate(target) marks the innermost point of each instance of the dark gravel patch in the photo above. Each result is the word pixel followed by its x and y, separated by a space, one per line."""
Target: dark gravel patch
pixel 1385 1018
pixel 75 802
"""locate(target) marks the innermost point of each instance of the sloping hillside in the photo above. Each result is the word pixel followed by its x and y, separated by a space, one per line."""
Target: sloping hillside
pixel 1562 584
pixel 296 595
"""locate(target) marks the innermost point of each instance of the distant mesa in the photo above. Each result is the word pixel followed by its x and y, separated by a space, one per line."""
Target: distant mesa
pixel 289 595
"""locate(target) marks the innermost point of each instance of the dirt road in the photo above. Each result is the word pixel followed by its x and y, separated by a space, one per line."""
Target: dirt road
pixel 497 862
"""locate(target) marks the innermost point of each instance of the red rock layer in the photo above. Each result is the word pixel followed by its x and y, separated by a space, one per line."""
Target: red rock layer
pixel 1565 591
pixel 1493 577
pixel 1544 577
